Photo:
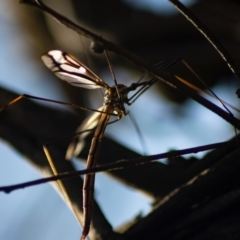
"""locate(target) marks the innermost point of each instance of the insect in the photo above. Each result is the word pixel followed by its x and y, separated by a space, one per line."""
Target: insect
pixel 69 69
pixel 219 137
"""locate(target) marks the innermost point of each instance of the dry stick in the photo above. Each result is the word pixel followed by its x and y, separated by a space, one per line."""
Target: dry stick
pixel 208 35
pixel 119 165
pixel 167 79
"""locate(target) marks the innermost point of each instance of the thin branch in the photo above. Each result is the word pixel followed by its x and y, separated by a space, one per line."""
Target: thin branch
pixel 121 164
pixel 162 76
pixel 225 55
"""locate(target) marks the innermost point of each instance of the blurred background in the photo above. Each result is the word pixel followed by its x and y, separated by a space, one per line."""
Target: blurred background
pixel 155 31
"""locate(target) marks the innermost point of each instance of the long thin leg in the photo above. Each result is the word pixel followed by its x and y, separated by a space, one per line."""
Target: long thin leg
pixel 17 99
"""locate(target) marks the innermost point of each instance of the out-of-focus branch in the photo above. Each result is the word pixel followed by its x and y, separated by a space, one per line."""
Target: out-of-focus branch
pixel 168 79
pixel 27 125
pixel 209 36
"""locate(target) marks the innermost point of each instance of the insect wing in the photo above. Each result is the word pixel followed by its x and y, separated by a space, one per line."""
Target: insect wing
pixel 76 146
pixel 67 68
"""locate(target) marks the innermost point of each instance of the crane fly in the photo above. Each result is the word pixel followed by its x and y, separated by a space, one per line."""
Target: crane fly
pixel 71 70
pixel 67 68
pixel 71 73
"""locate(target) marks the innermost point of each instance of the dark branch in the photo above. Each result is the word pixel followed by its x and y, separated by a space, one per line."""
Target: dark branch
pixel 168 79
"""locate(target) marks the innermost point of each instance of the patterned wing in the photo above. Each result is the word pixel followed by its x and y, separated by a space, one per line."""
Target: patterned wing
pixel 67 68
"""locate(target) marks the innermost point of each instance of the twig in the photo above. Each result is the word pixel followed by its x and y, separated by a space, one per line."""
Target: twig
pixel 121 164
pixel 170 80
pixel 209 36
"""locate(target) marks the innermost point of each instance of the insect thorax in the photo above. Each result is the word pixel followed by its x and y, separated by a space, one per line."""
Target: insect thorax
pixel 111 97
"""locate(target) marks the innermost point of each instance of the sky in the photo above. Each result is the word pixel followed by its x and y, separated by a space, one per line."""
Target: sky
pixel 38 212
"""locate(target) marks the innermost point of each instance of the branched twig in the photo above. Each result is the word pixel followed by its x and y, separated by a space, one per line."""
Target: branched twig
pixel 121 52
